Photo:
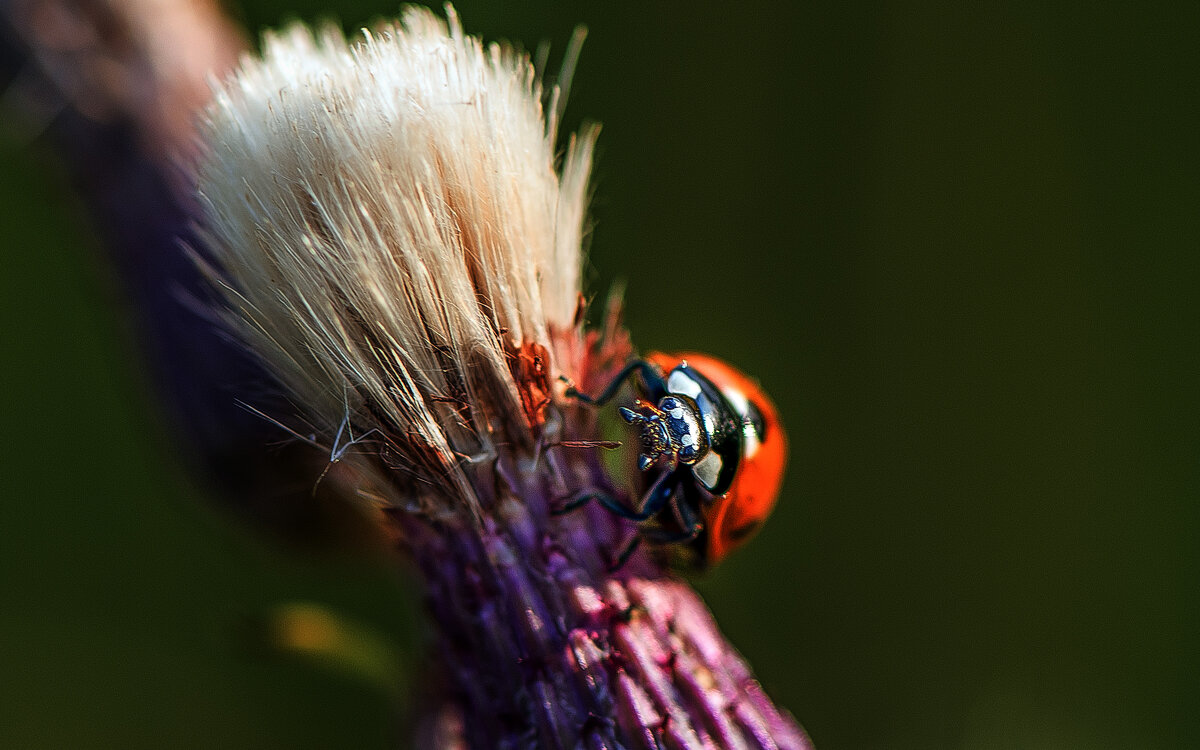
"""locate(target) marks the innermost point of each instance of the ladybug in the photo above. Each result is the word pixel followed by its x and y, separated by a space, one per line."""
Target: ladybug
pixel 715 440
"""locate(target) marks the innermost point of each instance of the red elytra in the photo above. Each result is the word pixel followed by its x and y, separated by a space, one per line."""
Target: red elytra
pixel 732 517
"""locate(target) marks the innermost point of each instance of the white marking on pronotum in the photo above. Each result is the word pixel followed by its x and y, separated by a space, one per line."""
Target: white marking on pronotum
pixel 708 469
pixel 737 399
pixel 681 382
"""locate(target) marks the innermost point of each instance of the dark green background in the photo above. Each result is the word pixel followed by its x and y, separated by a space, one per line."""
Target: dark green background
pixel 959 246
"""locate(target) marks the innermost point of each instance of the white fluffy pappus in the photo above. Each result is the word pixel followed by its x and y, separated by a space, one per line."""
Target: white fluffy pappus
pixel 388 227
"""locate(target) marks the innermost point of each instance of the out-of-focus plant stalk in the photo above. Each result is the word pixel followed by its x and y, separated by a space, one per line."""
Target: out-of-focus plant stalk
pixel 114 87
pixel 455 432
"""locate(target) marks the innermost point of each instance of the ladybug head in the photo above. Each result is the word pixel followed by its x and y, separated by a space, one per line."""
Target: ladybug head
pixel 673 430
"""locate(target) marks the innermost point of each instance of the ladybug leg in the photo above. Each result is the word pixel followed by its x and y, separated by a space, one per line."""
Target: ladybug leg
pixel 690 527
pixel 656 387
pixel 667 538
pixel 689 522
pixel 626 553
pixel 611 504
pixel 576 502
pixel 684 513
pixel 653 502
pixel 656 497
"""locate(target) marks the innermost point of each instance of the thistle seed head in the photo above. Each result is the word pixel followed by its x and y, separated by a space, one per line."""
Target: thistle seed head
pixel 392 235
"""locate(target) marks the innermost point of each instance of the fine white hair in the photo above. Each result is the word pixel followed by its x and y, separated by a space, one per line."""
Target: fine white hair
pixel 389 229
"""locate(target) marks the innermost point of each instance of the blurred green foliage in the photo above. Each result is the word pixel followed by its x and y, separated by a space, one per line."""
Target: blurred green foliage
pixel 958 244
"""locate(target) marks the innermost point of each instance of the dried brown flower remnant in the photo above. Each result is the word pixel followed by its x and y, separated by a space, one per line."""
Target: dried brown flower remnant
pixel 530 367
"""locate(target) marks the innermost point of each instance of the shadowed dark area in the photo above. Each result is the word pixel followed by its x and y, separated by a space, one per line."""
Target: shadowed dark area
pixel 958 247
